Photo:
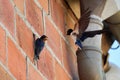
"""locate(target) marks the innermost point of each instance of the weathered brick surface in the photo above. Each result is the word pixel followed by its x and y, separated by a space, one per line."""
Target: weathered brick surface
pixel 58 14
pixel 34 16
pixel 16 61
pixel 54 38
pixel 20 5
pixel 33 74
pixel 45 64
pixel 45 5
pixel 24 37
pixel 60 74
pixel 4 74
pixel 69 61
pixel 2 46
pixel 7 15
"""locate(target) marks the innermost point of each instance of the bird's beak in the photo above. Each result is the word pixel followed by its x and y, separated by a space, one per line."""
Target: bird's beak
pixel 46 38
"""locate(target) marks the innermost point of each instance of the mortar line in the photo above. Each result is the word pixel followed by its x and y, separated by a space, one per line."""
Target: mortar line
pixel 27 69
pixel 44 15
pixel 38 5
pixel 7 70
pixel 35 67
pixel 51 51
pixel 6 44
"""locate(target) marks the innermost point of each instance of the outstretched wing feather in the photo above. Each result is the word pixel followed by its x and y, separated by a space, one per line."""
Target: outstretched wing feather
pixel 84 21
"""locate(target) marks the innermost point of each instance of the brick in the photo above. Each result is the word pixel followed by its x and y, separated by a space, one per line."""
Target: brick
pixel 44 4
pixel 58 14
pixel 69 61
pixel 4 74
pixel 16 61
pixel 7 15
pixel 53 38
pixel 60 74
pixel 24 37
pixel 20 5
pixel 2 46
pixel 45 64
pixel 33 74
pixel 34 16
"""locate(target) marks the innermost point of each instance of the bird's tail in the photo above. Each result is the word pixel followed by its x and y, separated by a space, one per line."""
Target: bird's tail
pixel 35 58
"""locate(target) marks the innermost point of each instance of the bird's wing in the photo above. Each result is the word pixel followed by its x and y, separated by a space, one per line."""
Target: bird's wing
pixel 39 46
pixel 84 21
pixel 92 34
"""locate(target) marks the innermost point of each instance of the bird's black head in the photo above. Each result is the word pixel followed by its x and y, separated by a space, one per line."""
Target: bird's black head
pixel 69 31
pixel 44 37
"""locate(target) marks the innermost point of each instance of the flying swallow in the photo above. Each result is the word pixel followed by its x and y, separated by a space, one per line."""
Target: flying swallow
pixel 39 45
pixel 79 33
pixel 80 27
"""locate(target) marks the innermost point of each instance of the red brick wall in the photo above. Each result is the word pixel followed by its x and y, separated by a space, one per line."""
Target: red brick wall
pixel 19 19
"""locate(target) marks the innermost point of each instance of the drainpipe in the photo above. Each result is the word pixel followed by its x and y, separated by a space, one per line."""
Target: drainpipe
pixel 90 59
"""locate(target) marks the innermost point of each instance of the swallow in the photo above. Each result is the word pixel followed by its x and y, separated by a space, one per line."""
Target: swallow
pixel 80 27
pixel 82 24
pixel 79 34
pixel 39 45
pixel 88 34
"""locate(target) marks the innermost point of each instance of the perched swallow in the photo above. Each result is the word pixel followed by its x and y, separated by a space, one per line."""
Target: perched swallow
pixel 39 45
